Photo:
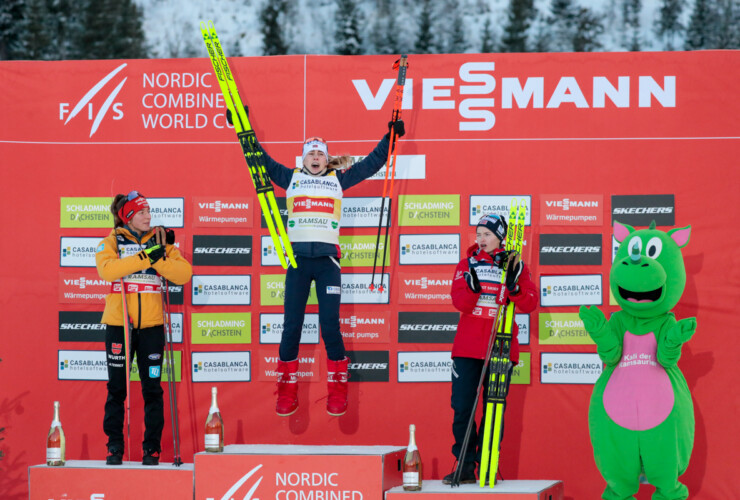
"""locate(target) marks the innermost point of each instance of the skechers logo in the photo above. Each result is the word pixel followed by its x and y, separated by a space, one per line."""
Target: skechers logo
pixel 107 104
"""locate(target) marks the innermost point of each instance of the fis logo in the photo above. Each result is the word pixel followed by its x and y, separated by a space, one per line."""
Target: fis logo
pixel 85 102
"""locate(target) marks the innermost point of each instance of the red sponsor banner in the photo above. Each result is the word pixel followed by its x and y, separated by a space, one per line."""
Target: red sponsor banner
pixel 84 287
pixel 308 204
pixel 571 209
pixel 223 211
pixel 80 479
pixel 276 473
pixel 426 288
pixel 366 327
pixel 310 366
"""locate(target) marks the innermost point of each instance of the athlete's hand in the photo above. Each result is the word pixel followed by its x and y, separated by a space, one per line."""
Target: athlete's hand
pixel 471 278
pixel 398 127
pixel 513 271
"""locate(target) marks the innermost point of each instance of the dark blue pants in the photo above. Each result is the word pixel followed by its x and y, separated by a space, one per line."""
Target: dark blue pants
pixel 148 344
pixel 327 273
pixel 465 377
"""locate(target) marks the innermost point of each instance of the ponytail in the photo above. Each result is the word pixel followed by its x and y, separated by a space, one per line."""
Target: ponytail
pixel 115 207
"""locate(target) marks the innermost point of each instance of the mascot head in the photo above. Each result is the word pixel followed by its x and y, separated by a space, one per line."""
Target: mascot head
pixel 648 275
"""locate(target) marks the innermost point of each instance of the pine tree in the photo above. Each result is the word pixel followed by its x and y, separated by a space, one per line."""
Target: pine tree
pixel 456 43
pixel 384 34
pixel 11 28
pixel 631 18
pixel 347 18
pixel 562 21
pixel 668 26
pixel 520 15
pixel 589 29
pixel 487 42
pixel 697 35
pixel 273 43
pixel 35 35
pixel 111 29
pixel 64 25
pixel 424 39
pixel 727 22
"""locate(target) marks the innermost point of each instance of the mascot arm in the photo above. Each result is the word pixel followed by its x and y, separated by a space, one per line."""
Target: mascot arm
pixel 604 333
pixel 676 333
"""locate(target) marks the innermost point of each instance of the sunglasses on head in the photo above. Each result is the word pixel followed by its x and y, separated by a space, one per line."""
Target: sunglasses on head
pixel 133 195
pixel 312 139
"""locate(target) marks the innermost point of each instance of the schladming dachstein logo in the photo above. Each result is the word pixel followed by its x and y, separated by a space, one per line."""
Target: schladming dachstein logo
pixel 86 102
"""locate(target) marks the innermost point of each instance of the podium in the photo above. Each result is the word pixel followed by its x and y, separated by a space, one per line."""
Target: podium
pixel 293 472
pixel 92 479
pixel 504 490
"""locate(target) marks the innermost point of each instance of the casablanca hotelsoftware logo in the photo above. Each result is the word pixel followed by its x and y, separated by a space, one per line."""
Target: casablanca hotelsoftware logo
pixel 86 102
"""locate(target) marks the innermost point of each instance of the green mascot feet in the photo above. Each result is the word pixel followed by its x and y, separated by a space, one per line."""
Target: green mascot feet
pixel 641 417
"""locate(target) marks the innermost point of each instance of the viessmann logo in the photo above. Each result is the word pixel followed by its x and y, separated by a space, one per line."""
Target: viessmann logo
pixel 306 204
pixel 85 103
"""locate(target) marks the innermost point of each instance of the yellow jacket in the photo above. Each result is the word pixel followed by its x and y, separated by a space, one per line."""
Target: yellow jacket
pixel 144 309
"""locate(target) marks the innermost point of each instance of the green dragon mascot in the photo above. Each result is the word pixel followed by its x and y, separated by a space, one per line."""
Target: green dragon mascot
pixel 641 417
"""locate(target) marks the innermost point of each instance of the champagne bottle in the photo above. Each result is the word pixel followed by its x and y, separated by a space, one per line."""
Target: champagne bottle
pixel 214 426
pixel 412 464
pixel 55 446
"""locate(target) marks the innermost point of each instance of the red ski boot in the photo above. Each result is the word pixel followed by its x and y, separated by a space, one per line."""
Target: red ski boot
pixel 336 404
pixel 287 387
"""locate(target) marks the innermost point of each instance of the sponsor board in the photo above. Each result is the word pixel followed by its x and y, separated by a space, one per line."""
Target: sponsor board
pixel 428 288
pixel 522 372
pixel 642 209
pixel 522 321
pixel 85 212
pixel 407 167
pixel 481 205
pixel 222 250
pixel 571 209
pixel 163 369
pixel 176 293
pixel 81 365
pixel 282 208
pixel 84 287
pixel 562 329
pixel 167 212
pixel 570 249
pixel 224 211
pixel 176 327
pixel 268 252
pixel 427 327
pixel 570 367
pixel 429 249
pixel 369 366
pixel 232 366
pixel 78 252
pixel 271 328
pixel 362 211
pixel 359 251
pixel 429 210
pixel 310 366
pixel 424 366
pixel 272 290
pixel 366 327
pixel 570 290
pixel 221 328
pixel 221 289
pixel 81 326
pixel 356 288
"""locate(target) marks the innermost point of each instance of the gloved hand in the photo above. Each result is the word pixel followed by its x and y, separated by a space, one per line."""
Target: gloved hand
pixel 169 236
pixel 230 119
pixel 500 259
pixel 155 253
pixel 471 278
pixel 513 271
pixel 398 127
pixel 162 236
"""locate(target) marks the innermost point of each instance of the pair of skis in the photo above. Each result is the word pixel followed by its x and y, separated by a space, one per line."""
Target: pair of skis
pixel 248 141
pixel 401 65
pixel 499 366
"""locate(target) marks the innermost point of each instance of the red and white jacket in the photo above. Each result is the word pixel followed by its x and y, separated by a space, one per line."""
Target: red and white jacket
pixel 479 309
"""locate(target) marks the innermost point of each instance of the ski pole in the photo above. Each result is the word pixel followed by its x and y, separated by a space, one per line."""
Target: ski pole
pixel 126 347
pixel 390 168
pixel 169 357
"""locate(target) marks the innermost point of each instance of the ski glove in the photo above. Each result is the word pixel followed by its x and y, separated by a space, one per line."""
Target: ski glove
pixel 513 271
pixel 396 126
pixel 501 258
pixel 155 253
pixel 228 115
pixel 471 278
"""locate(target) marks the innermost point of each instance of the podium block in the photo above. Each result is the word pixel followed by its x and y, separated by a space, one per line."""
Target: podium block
pixel 504 490
pixel 288 472
pixel 92 479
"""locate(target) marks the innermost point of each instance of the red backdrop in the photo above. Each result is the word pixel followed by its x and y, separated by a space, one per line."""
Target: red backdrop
pixel 682 141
